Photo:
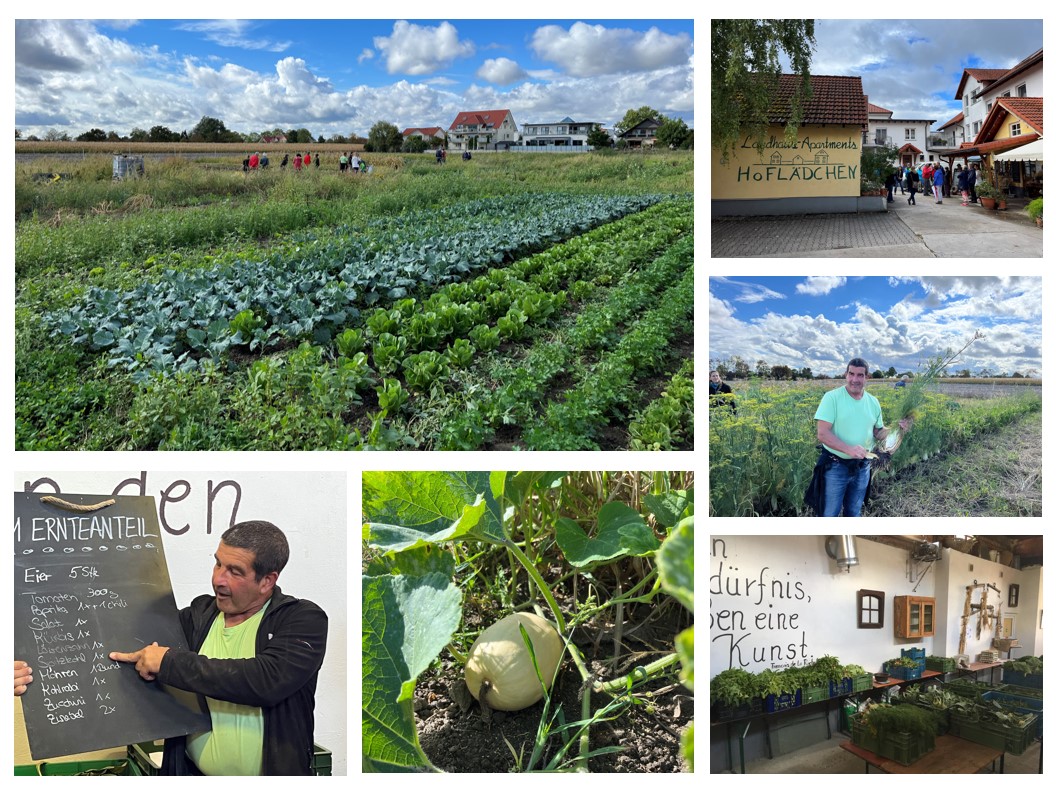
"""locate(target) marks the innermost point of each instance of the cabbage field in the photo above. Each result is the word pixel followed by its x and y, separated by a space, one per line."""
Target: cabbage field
pixel 510 302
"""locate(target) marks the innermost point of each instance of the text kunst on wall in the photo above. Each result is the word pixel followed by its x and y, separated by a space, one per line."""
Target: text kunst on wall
pixel 759 619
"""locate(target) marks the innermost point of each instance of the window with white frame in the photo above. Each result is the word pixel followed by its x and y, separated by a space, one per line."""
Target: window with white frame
pixel 911 133
pixel 1014 129
pixel 1021 90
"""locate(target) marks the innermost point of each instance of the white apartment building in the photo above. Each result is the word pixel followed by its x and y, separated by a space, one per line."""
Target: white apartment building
pixel 908 136
pixel 980 87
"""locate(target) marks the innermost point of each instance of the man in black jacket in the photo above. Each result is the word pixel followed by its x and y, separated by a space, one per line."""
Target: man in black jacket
pixel 255 661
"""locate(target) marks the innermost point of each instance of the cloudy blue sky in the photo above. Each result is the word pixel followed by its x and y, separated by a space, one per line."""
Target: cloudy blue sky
pixel 823 321
pixel 913 66
pixel 341 76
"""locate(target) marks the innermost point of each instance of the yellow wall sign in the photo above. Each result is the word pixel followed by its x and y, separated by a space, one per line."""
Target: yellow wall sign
pixel 822 161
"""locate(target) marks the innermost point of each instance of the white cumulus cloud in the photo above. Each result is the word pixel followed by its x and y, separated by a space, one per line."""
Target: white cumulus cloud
pixel 414 49
pixel 590 50
pixel 501 71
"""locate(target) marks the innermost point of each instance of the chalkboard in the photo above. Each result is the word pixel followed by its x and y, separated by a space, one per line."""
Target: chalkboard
pixel 87 584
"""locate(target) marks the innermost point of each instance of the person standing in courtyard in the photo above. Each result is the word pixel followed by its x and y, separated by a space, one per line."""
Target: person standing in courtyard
pixel 973 176
pixel 849 419
pixel 913 180
pixel 937 184
pixel 962 186
pixel 925 173
pixel 892 180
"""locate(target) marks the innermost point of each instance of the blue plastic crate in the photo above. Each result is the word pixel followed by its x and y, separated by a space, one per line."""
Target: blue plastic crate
pixel 842 688
pixel 1021 679
pixel 904 673
pixel 785 701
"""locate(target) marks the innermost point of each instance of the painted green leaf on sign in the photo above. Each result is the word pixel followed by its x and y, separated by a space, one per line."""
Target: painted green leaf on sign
pixel 407 621
pixel 675 560
pixel 621 531
pixel 405 509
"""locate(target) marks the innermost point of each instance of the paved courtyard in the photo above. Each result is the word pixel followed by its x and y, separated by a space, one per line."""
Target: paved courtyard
pixel 927 230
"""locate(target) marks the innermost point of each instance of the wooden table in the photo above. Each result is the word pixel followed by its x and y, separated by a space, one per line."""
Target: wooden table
pixel 951 755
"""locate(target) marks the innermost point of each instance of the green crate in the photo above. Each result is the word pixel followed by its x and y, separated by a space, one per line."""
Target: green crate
pixel 1017 690
pixel 813 694
pixel 140 763
pixel 1003 738
pixel 322 761
pixel 969 688
pixel 860 683
pixel 903 748
pixel 87 767
pixel 943 664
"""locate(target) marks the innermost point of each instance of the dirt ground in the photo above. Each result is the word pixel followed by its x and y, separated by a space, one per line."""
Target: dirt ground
pixel 997 476
pixel 648 733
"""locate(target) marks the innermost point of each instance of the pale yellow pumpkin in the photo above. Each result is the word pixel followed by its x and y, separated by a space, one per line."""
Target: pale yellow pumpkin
pixel 500 658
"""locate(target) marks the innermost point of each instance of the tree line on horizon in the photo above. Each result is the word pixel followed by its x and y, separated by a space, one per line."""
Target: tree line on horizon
pixel 736 367
pixel 383 136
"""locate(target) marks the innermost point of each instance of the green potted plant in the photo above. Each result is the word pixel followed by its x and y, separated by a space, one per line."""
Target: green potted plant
pixel 1034 210
pixel 988 194
pixel 733 695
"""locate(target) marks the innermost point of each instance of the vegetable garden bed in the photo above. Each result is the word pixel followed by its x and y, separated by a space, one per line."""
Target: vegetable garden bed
pixel 525 320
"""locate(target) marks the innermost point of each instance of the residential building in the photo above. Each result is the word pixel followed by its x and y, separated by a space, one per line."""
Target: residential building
pixel 565 132
pixel 425 133
pixel 909 136
pixel 818 172
pixel 482 129
pixel 1009 143
pixel 641 134
pixel 979 88
pixel 950 134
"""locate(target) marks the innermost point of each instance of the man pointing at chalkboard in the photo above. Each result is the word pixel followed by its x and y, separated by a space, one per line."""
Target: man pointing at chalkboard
pixel 256 659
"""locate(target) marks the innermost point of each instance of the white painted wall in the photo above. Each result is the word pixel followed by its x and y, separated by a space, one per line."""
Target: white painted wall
pixel 804 608
pixel 311 509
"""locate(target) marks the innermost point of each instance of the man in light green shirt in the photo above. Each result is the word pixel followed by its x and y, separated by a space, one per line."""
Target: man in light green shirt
pixel 849 421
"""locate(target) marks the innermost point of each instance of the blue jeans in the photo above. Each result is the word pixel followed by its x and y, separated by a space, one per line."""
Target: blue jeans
pixel 845 488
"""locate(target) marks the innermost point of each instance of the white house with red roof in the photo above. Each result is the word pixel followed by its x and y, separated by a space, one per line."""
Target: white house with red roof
pixel 909 136
pixel 474 130
pixel 979 88
pixel 425 133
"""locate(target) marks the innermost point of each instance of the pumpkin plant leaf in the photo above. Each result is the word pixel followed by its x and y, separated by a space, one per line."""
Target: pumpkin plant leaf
pixel 407 621
pixel 405 509
pixel 669 507
pixel 621 531
pixel 675 561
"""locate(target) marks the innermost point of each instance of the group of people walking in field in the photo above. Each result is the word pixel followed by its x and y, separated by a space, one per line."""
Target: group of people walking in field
pixel 935 180
pixel 346 163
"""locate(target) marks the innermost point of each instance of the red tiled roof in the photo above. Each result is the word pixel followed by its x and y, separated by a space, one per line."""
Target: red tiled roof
pixel 910 147
pixel 1028 109
pixel 982 76
pixel 491 118
pixel 427 131
pixel 834 100
pixel 878 109
pixel 955 120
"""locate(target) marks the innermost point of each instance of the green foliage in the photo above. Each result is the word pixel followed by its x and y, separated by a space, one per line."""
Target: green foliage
pixel 1034 208
pixel 634 117
pixel 877 163
pixel 416 521
pixel 383 137
pixel 673 133
pixel 883 720
pixel 745 64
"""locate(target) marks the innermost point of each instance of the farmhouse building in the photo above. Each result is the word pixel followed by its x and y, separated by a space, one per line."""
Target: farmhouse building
pixel 1002 125
pixel 818 172
pixel 482 129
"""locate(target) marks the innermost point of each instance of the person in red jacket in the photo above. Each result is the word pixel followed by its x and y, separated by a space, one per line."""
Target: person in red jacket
pixel 255 658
